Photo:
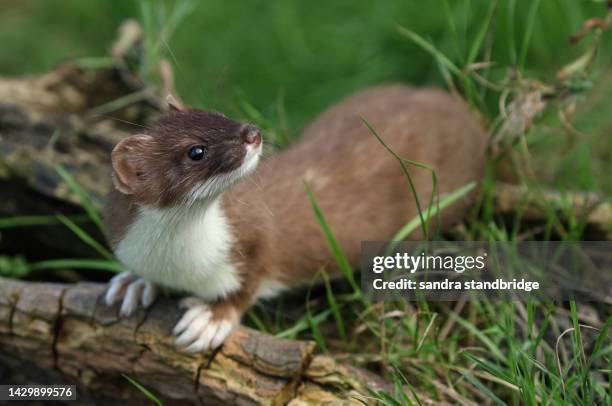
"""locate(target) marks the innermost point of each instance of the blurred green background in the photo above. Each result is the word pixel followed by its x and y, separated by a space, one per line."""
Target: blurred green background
pixel 290 59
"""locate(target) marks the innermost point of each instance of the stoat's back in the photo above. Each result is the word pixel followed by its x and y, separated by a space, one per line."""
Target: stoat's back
pixel 358 184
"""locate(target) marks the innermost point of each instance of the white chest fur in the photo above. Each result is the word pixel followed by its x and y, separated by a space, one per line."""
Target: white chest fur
pixel 182 249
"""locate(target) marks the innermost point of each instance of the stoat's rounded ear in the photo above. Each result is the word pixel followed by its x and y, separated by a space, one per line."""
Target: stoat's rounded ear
pixel 174 104
pixel 128 159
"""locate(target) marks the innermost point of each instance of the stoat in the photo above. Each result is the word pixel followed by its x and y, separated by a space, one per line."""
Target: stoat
pixel 192 211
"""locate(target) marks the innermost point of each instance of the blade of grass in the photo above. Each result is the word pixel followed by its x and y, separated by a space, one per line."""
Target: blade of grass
pixel 333 304
pixel 450 20
pixel 119 103
pixel 490 368
pixel 144 390
pixel 609 380
pixel 313 322
pixel 482 388
pixel 179 13
pixel 26 221
pixel 303 324
pixel 337 252
pixel 84 200
pixel 388 399
pixel 402 162
pixel 531 19
pixel 97 264
pixel 481 336
pixel 478 41
pixel 261 326
pixel 511 7
pixel 445 202
pixel 430 48
pixel 446 75
pixel 577 334
pixel 400 378
pixel 83 236
pixel 159 26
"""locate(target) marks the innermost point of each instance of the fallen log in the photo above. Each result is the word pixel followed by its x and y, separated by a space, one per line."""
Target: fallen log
pixel 68 118
pixel 64 330
pixel 591 208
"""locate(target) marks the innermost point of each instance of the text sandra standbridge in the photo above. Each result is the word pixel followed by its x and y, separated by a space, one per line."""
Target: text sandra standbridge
pixel 452 270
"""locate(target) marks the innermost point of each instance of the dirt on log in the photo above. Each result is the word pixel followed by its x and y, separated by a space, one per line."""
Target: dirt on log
pixel 55 328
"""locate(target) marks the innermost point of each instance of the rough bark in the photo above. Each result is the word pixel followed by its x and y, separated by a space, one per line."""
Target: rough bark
pixel 64 328
pixel 71 117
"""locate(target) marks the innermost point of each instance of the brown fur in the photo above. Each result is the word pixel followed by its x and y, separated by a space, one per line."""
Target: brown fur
pixel 359 186
pixel 154 168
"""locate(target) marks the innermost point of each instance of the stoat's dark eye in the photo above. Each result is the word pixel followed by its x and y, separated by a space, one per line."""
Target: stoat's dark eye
pixel 196 153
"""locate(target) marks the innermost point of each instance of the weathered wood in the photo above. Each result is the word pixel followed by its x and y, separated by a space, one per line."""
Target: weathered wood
pixel 71 117
pixel 64 328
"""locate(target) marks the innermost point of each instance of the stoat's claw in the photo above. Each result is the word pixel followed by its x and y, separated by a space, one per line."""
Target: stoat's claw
pixel 134 291
pixel 117 287
pixel 193 326
pixel 199 330
pixel 149 294
pixel 190 302
pixel 189 317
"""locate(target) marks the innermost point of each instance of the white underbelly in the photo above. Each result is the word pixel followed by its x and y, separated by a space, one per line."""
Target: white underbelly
pixel 183 251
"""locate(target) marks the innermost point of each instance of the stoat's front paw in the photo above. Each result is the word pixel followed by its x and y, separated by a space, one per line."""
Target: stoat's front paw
pixel 133 290
pixel 204 327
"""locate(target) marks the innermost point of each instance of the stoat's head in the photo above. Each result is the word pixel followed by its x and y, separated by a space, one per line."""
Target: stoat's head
pixel 187 156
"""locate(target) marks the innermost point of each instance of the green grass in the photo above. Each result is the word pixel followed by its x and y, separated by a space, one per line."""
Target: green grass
pixel 279 63
pixel 146 392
